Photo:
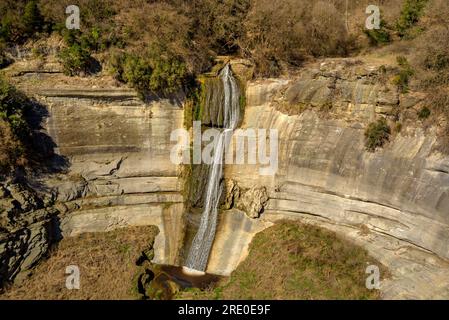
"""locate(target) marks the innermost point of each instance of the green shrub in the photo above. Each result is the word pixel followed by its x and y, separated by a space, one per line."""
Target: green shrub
pixel 14 129
pixel 13 105
pixel 76 56
pixel 157 70
pixel 115 64
pixel 402 79
pixel 11 149
pixel 90 40
pixel 20 20
pixel 410 15
pixel 93 40
pixel 70 36
pixel 424 113
pixel 169 71
pixel 376 134
pixel 137 72
pixel 32 19
pixel 75 59
pixel 6 28
pixel 379 36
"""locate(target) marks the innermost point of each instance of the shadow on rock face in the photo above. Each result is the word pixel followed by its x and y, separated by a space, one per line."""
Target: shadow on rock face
pixel 29 224
pixel 94 66
pixel 44 159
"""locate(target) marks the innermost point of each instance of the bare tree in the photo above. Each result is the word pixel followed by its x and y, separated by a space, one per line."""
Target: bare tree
pixel 347 16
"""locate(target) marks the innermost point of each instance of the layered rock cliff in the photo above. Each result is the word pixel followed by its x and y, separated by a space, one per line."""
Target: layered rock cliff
pixel 394 201
pixel 120 173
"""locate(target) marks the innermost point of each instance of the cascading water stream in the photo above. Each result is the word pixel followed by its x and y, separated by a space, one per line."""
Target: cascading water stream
pixel 202 243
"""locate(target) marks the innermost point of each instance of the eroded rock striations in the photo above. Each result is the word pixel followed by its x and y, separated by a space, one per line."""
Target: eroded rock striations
pixel 394 202
pixel 119 170
pixel 120 173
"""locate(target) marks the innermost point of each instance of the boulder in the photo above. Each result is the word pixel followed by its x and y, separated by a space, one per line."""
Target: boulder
pixel 251 201
pixel 21 251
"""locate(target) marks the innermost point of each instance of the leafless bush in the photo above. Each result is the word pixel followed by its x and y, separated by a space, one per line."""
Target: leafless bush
pixel 289 31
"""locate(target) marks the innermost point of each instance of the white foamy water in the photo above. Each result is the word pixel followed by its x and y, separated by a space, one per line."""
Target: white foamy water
pixel 202 243
pixel 192 272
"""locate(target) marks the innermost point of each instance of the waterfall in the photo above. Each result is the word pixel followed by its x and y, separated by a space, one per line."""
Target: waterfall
pixel 202 243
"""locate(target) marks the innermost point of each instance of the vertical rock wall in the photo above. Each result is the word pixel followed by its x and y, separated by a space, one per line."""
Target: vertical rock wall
pixel 394 202
pixel 120 173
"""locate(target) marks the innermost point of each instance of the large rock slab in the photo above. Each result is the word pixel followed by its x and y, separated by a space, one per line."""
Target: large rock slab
pixel 168 218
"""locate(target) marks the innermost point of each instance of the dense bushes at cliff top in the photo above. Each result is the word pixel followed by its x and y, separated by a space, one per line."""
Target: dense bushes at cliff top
pixel 23 146
pixel 274 34
pixel 158 70
pixel 20 20
pixel 75 59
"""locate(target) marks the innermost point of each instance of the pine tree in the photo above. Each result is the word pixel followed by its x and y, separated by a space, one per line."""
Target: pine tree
pixel 32 19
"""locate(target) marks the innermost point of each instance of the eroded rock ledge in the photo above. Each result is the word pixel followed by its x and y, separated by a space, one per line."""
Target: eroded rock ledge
pixel 391 202
pixel 119 171
pixel 394 202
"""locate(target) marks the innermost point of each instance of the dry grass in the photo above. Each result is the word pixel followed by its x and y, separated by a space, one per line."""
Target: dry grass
pixel 107 263
pixel 295 261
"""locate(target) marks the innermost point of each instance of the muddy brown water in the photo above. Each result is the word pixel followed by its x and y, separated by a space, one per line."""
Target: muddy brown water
pixel 178 275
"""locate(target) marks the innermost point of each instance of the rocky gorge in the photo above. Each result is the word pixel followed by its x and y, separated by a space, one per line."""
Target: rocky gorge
pixel 393 202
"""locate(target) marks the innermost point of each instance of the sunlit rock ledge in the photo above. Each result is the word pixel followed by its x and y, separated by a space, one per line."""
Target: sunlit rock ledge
pixel 394 202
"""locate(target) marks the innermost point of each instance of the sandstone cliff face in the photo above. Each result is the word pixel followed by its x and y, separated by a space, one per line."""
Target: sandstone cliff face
pixel 394 202
pixel 116 149
pixel 120 172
